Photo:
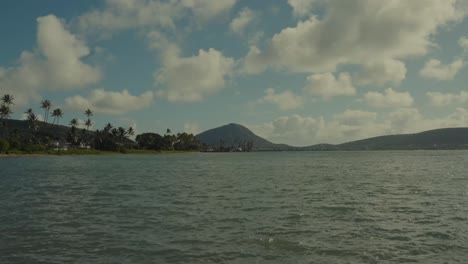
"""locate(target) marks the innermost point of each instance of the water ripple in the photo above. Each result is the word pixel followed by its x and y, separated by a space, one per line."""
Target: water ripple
pixel 324 207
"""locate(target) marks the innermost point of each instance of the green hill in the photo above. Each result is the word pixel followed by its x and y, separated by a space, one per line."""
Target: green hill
pixel 234 135
pixel 445 138
pixel 20 128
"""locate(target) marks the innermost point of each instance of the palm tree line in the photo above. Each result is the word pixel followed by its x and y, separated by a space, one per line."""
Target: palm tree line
pixel 5 110
pixel 109 138
pixel 5 107
pixel 114 137
pixel 31 117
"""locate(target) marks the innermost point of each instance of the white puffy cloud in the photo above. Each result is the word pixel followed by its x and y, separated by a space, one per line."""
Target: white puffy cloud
pixel 55 65
pixel 327 86
pixel 463 42
pixel 352 125
pixel 299 130
pixel 243 19
pixel 404 120
pixel 192 128
pixel 157 41
pixel 434 69
pixel 442 99
pixel 301 8
pixel 350 32
pixel 355 117
pixel 285 100
pixel 410 120
pixel 205 10
pixel 256 38
pixel 295 130
pixel 110 102
pixel 382 72
pixel 126 14
pixel 190 79
pixel 389 98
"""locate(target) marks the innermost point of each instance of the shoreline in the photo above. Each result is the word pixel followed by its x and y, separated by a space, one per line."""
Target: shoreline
pixel 91 153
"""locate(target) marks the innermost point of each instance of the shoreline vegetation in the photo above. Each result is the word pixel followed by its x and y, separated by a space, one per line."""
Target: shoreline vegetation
pixel 53 153
pixel 34 137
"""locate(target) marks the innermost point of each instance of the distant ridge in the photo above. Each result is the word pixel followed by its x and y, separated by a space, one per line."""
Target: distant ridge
pixel 20 128
pixel 444 138
pixel 235 134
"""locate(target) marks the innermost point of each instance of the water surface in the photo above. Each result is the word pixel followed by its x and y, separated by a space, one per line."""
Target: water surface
pixel 279 207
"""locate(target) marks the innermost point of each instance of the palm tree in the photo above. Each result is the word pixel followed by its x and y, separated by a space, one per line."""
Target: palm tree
pixel 5 108
pixel 46 105
pixel 74 122
pixel 130 131
pixel 57 114
pixel 72 133
pixel 108 128
pixel 168 131
pixel 114 132
pixel 7 99
pixel 88 113
pixel 32 125
pixel 5 111
pixel 32 122
pixel 122 133
pixel 88 123
pixel 99 137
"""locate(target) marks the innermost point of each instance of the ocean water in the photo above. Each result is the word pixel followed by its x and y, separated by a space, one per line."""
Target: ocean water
pixel 277 207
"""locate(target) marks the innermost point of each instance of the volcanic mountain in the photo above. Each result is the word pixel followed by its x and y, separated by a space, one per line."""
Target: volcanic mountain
pixel 235 134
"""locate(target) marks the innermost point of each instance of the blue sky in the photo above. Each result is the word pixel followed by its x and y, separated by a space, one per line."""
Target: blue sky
pixel 294 71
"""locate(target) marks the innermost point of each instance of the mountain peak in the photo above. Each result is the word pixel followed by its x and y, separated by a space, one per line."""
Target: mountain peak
pixel 234 134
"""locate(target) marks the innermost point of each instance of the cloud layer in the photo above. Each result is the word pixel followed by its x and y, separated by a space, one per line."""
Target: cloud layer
pixel 350 32
pixel 388 99
pixel 56 64
pixel 109 102
pixel 443 99
pixel 353 125
pixel 118 15
pixel 285 100
pixel 434 69
pixel 191 79
pixel 243 19
pixel 327 86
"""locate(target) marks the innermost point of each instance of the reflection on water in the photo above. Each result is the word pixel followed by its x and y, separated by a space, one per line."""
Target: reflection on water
pixel 286 207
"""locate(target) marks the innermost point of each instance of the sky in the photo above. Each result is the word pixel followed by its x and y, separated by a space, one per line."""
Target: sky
pixel 299 72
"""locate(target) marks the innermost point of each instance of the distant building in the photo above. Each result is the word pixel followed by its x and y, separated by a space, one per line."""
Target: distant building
pixel 60 144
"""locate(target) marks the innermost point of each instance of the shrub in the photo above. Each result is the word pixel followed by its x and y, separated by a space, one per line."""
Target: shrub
pixel 123 150
pixel 30 148
pixel 4 146
pixel 14 143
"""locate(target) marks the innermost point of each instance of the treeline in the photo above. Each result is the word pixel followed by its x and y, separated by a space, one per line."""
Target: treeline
pixel 33 135
pixel 226 146
pixel 180 141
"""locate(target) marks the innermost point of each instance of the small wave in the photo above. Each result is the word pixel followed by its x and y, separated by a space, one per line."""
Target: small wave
pixel 437 235
pixel 294 216
pixel 282 244
pixel 340 209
